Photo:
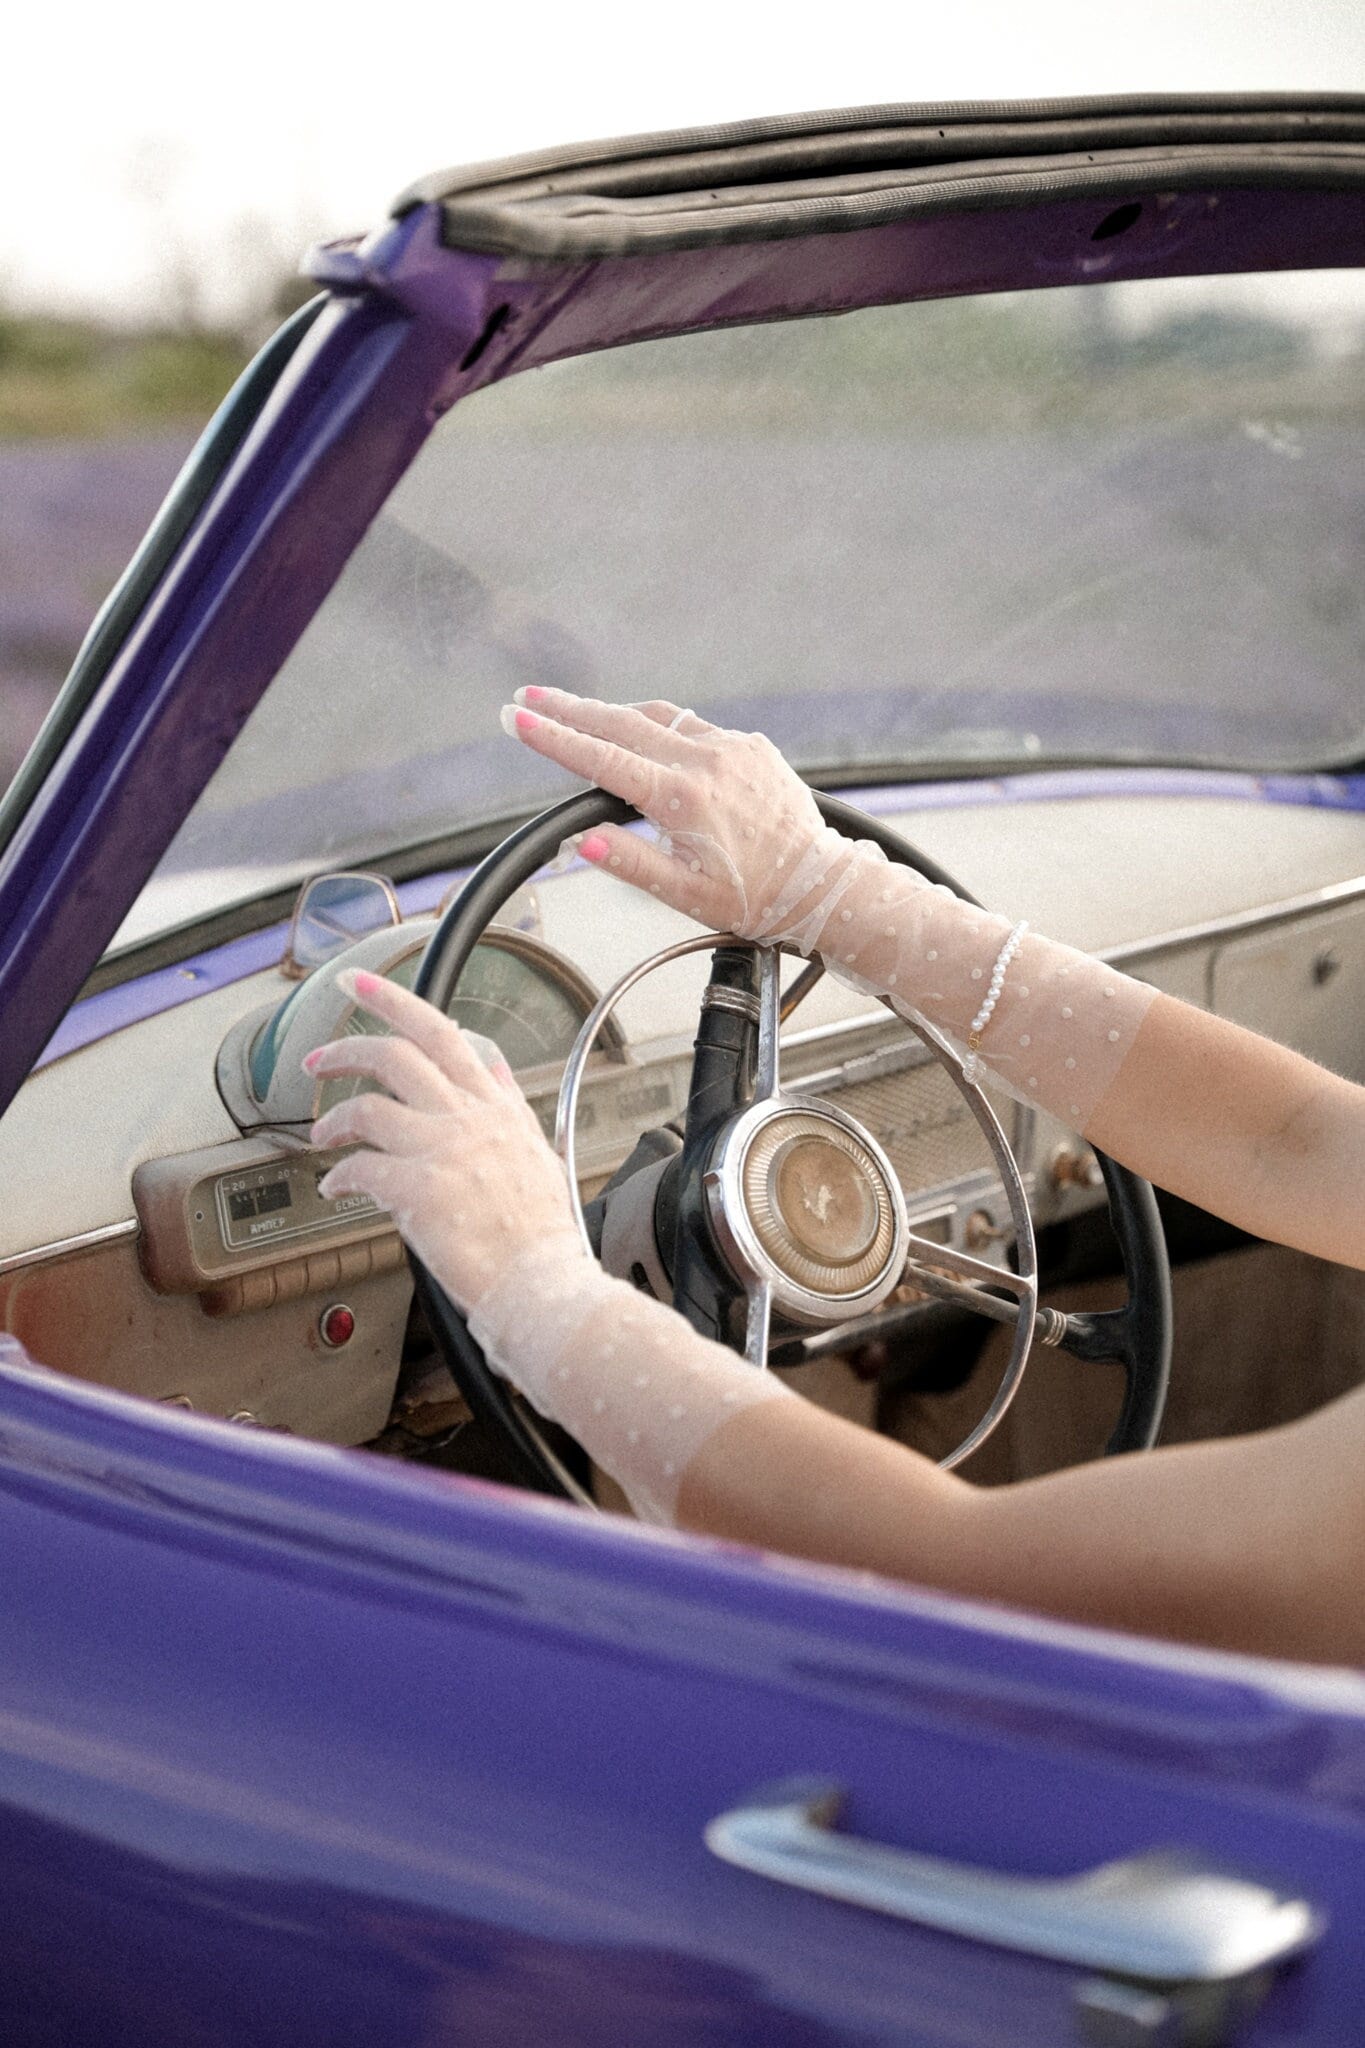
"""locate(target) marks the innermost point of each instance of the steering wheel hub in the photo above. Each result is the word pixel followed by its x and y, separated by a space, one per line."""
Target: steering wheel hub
pixel 800 1196
pixel 818 1201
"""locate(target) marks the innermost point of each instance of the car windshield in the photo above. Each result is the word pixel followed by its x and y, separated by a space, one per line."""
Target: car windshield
pixel 1116 523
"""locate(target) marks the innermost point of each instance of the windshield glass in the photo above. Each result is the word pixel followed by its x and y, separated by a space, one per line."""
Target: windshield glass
pixel 1117 523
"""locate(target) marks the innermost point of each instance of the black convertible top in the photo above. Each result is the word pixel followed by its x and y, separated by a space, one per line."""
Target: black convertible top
pixel 818 173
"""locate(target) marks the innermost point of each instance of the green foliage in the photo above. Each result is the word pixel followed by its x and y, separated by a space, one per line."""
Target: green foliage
pixel 66 379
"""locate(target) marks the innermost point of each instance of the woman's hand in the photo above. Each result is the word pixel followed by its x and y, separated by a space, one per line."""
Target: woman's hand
pixel 453 1151
pixel 744 848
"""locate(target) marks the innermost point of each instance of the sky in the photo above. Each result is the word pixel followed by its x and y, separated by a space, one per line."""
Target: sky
pixel 159 158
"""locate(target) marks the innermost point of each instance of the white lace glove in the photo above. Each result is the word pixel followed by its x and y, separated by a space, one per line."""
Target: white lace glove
pixel 745 850
pixel 455 1154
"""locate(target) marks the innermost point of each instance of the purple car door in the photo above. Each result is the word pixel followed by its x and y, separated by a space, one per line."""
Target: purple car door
pixel 295 1749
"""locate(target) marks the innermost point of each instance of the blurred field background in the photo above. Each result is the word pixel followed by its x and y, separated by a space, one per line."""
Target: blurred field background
pixel 96 418
pixel 165 167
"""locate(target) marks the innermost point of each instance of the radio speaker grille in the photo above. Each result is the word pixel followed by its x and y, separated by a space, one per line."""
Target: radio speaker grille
pixel 923 1125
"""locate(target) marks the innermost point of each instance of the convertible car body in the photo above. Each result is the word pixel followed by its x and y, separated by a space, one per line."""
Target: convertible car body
pixel 1005 464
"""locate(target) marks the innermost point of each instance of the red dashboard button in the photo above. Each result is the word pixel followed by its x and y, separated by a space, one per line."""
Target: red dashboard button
pixel 336 1326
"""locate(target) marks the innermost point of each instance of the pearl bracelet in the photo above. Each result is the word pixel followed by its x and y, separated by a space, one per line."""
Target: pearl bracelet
pixel 971 1066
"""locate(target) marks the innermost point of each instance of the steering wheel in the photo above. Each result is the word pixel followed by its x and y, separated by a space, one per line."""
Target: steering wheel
pixel 729 1220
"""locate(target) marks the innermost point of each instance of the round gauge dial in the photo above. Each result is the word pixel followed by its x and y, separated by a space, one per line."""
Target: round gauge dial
pixel 514 991
pixel 508 996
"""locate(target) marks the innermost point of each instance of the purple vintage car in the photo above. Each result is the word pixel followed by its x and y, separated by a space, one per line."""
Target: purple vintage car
pixel 1004 463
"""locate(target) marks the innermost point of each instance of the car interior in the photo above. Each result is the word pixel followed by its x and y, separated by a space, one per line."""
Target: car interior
pixel 1060 587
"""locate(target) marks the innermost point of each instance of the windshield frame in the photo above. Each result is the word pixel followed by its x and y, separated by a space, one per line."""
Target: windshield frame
pixel 411 327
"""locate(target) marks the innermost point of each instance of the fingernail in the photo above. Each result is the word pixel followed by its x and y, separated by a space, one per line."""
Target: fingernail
pixel 525 721
pixel 358 983
pixel 507 719
pixel 595 847
pixel 312 1060
pixel 324 1186
pixel 529 693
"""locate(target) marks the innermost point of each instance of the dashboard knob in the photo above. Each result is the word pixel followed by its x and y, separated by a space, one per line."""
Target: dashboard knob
pixel 336 1325
pixel 1074 1167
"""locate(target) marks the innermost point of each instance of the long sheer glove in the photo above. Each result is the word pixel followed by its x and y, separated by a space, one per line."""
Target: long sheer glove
pixel 624 1374
pixel 1053 1024
pixel 454 1152
pixel 745 849
pixel 742 846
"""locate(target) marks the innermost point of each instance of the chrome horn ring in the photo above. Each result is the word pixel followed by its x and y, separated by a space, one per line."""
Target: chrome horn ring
pixel 769 1280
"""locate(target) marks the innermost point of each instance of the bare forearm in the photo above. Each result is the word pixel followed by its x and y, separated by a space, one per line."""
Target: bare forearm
pixel 1248 1544
pixel 1243 1127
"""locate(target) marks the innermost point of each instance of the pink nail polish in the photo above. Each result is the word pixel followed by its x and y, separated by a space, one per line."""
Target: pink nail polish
pixel 311 1059
pixel 595 847
pixel 534 694
pixel 526 721
pixel 367 984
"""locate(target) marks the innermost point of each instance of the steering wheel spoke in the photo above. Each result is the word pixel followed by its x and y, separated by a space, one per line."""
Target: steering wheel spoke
pixel 1103 1337
pixel 758 1324
pixel 923 1254
pixel 767 1081
pixel 956 1277
pixel 810 976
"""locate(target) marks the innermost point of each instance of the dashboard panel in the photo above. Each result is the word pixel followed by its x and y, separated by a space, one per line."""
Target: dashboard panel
pixel 173 1242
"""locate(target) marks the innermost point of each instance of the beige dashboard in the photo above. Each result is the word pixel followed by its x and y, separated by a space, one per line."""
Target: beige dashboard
pixel 1255 910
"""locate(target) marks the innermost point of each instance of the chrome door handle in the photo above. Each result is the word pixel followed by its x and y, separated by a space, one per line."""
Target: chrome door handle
pixel 1163 1919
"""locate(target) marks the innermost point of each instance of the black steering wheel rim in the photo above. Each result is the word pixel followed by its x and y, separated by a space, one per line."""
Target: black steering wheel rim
pixel 1137 1336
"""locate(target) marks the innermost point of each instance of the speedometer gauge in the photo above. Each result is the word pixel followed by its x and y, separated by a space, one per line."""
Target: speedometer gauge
pixel 526 999
pixel 514 990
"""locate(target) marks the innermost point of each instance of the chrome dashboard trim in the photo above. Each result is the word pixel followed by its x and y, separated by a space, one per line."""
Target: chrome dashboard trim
pixel 1331 896
pixel 841 1027
pixel 879 1064
pixel 63 1247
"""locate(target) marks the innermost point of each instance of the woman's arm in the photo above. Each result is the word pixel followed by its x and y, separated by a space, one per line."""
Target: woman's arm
pixel 1257 1544
pixel 1242 1127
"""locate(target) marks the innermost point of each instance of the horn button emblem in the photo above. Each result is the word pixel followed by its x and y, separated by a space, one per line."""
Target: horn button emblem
pixel 801 1197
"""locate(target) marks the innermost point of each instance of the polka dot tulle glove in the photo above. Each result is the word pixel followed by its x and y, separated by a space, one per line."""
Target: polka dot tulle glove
pixel 743 848
pixel 625 1374
pixel 1053 1024
pixel 454 1152
pixel 741 844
